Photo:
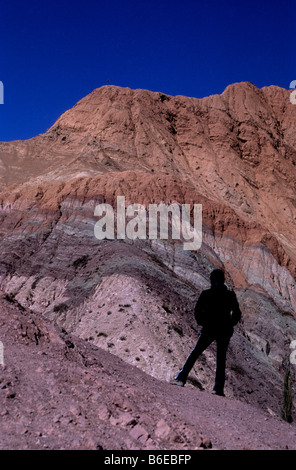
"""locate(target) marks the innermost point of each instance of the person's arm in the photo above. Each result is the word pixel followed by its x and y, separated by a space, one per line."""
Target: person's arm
pixel 199 311
pixel 236 312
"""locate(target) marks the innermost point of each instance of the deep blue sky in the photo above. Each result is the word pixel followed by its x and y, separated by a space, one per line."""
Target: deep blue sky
pixel 53 53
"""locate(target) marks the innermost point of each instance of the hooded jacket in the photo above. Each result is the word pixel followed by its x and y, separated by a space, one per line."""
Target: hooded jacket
pixel 217 311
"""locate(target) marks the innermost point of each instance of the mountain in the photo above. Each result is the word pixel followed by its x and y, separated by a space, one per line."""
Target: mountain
pixel 233 153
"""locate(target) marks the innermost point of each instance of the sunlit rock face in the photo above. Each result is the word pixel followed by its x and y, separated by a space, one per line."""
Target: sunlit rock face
pixel 233 153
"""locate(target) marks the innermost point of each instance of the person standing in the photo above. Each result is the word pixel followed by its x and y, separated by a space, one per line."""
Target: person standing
pixel 217 311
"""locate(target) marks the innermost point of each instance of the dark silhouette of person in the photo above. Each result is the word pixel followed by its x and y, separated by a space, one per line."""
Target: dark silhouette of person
pixel 217 311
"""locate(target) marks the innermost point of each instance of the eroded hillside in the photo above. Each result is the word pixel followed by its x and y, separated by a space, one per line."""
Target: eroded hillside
pixel 233 153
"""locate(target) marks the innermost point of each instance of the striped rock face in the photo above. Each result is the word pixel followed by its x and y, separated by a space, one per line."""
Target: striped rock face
pixel 232 153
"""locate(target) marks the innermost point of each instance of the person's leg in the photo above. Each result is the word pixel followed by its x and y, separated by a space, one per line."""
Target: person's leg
pixel 202 343
pixel 222 346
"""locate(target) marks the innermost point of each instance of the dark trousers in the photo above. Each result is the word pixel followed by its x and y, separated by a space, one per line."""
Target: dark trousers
pixel 204 340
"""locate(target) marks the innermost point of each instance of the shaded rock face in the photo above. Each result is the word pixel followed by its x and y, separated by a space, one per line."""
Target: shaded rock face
pixel 233 153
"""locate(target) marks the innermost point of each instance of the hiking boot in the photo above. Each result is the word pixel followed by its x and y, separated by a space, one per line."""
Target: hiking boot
pixel 177 382
pixel 220 394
